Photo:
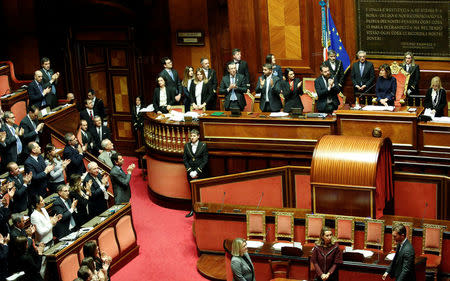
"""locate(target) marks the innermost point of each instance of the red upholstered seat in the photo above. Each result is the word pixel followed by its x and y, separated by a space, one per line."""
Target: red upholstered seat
pixel 256 224
pixel 284 226
pixel 68 268
pixel 250 102
pixel 280 270
pixel 433 261
pixel 432 244
pixel 309 95
pixel 107 243
pixel 125 233
pixel 374 235
pixel 20 111
pixel 345 231
pixel 314 224
pixel 80 255
pixel 4 85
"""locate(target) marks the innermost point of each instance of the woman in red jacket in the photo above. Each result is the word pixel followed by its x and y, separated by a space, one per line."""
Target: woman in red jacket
pixel 326 256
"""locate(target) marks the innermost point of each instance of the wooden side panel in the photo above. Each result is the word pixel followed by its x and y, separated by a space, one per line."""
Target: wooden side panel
pixel 97 82
pixel 120 91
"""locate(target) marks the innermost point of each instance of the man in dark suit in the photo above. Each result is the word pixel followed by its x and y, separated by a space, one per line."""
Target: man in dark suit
pixel 269 88
pixel 100 132
pixel 211 75
pixel 12 147
pixel 65 207
pixel 20 199
pixel 326 90
pixel 88 113
pixel 36 165
pixel 233 87
pixel 31 127
pixel 241 66
pixel 336 69
pixel 402 266
pixel 195 158
pixel 49 79
pixel 87 140
pixel 363 74
pixel 171 75
pixel 119 180
pixel 75 152
pixel 37 92
pixel 410 66
pixel 97 104
pixel 99 198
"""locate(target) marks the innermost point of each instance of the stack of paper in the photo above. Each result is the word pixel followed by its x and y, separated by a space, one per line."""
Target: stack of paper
pixel 378 108
pixel 279 245
pixel 254 244
pixel 365 253
pixel 279 114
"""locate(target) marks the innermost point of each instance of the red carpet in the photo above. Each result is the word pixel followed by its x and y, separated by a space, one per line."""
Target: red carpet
pixel 167 246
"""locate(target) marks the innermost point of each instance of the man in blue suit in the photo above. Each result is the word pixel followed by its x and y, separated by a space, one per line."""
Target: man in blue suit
pixel 75 152
pixel 37 91
pixel 36 165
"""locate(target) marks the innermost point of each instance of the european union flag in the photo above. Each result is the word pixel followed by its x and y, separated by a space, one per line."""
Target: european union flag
pixel 336 43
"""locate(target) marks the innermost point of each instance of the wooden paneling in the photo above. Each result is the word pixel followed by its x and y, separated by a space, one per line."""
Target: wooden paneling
pixel 124 130
pixel 118 58
pixel 97 82
pixel 95 55
pixel 120 92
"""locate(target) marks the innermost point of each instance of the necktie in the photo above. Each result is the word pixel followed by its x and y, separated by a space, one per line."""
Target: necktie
pixel 361 68
pixel 90 114
pixel 233 94
pixel 267 88
pixel 18 142
pixel 171 74
pixel 100 134
pixel 40 87
pixel 72 221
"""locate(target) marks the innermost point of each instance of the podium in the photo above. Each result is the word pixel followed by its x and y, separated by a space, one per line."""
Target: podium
pixel 351 176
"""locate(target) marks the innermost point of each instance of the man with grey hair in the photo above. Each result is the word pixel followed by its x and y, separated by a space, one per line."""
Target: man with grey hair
pixel 75 152
pixel 36 165
pixel 12 146
pixel 105 156
pixel 336 68
pixel 363 74
pixel 37 92
pixel 99 198
pixel 64 206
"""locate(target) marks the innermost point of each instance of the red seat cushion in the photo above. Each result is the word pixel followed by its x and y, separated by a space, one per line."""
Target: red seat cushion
pixel 433 261
pixel 255 223
pixel 284 225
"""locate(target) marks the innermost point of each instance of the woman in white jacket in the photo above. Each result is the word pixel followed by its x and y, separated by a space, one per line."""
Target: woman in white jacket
pixel 42 221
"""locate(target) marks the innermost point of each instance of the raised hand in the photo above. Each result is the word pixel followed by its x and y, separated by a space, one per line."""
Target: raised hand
pixel 27 178
pixel 65 163
pixel 49 168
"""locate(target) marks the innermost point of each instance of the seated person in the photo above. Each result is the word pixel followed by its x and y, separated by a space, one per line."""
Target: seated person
pixel 164 97
pixel 108 150
pixel 327 91
pixel 436 98
pixel 386 86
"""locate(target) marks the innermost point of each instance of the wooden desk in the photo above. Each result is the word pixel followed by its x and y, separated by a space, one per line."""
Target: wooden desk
pixel 371 268
pixel 400 125
pixel 56 254
pixel 434 138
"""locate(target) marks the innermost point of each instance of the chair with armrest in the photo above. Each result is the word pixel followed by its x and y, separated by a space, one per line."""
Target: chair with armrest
pixel 284 226
pixel 107 243
pixel 68 268
pixel 280 270
pixel 126 235
pixel 402 78
pixel 309 96
pixel 256 224
pixel 313 226
pixel 374 235
pixel 250 102
pixel 409 229
pixel 432 246
pixel 344 231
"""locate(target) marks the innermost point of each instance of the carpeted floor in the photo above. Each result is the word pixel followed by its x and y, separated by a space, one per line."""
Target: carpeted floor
pixel 167 246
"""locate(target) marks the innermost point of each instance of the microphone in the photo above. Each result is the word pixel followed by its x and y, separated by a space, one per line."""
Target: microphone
pixel 223 202
pixel 260 199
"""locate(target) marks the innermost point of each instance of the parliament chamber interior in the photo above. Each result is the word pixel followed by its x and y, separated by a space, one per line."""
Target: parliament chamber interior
pixel 273 121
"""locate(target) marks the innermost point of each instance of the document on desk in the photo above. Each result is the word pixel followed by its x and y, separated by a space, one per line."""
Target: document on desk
pixel 279 114
pixel 278 246
pixel 378 108
pixel 365 253
pixel 254 244
pixel 441 119
pixel 390 256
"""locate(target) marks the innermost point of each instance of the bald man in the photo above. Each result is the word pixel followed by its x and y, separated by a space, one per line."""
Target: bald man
pixel 37 92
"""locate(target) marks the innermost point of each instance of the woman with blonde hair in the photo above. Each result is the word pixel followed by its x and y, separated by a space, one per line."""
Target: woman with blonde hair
pixel 436 98
pixel 241 264
pixel 200 91
pixel 326 256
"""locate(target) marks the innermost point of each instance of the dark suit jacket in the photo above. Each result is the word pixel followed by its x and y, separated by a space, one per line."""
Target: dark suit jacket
pixel 39 181
pixel 61 229
pixel 323 96
pixel 196 161
pixel 207 95
pixel 34 94
pixel 240 90
pixel 276 71
pixel 121 185
pixel 212 78
pixel 402 267
pixel 414 78
pixel 137 119
pixel 9 151
pixel 76 165
pixel 51 98
pixel 87 138
pixel 84 115
pixel 173 83
pixel 106 134
pixel 29 133
pixel 20 199
pixel 442 102
pixel 97 204
pixel 274 94
pixel 242 270
pixel 82 215
pixel 99 108
pixel 338 73
pixel 170 92
pixel 31 264
pixel 366 79
pixel 5 214
pixel 291 97
pixel 243 70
